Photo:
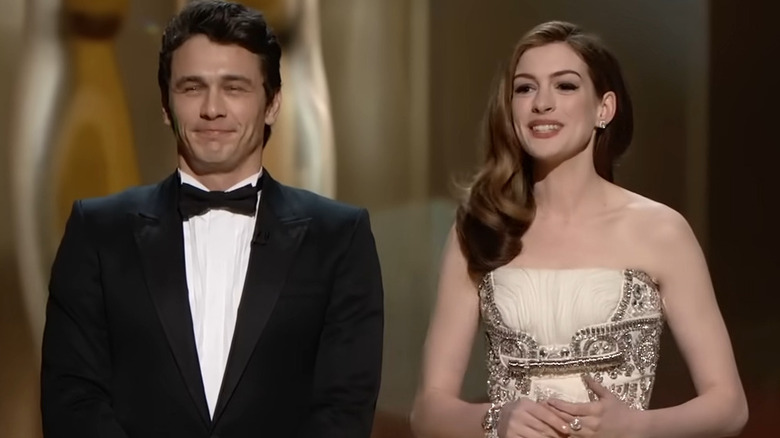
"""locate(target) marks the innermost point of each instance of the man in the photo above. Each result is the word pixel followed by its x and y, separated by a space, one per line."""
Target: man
pixel 219 302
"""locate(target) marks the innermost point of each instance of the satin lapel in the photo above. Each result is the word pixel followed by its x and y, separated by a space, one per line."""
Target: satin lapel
pixel 158 233
pixel 278 234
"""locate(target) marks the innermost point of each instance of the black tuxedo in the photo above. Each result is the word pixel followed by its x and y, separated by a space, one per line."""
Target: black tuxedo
pixel 119 355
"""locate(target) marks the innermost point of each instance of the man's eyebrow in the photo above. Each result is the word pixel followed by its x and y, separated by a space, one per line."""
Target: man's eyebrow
pixel 189 79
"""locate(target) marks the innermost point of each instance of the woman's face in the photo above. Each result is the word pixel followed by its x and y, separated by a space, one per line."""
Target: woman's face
pixel 555 108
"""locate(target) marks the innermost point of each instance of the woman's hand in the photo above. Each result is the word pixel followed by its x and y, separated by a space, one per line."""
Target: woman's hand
pixel 606 418
pixel 525 418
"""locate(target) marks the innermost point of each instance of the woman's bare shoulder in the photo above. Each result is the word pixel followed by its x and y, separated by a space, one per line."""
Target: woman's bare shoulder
pixel 658 233
pixel 653 218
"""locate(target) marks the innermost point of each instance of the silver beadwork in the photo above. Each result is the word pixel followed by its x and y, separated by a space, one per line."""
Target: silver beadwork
pixel 621 353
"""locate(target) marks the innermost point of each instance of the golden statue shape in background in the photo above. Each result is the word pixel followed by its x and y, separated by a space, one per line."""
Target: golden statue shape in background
pixel 301 150
pixel 95 154
pixel 37 102
pixel 73 138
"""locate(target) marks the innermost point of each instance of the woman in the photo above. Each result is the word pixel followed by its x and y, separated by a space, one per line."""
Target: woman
pixel 572 275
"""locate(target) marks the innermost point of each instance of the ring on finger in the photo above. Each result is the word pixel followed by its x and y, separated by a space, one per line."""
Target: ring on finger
pixel 575 424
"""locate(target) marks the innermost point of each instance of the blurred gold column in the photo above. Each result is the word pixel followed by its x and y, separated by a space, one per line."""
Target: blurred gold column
pixel 30 68
pixel 302 148
pixel 72 137
pixel 95 154
pixel 36 101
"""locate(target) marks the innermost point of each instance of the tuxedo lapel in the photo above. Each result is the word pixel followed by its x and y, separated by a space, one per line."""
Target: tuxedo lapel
pixel 159 236
pixel 279 231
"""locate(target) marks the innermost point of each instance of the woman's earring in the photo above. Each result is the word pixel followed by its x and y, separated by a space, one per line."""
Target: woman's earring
pixel 602 124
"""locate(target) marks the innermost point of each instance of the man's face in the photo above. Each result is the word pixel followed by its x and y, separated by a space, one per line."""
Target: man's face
pixel 218 108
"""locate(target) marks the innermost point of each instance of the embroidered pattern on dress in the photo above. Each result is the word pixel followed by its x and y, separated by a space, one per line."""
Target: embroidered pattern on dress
pixel 627 346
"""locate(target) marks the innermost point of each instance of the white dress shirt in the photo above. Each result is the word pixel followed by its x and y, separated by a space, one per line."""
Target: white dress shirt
pixel 216 256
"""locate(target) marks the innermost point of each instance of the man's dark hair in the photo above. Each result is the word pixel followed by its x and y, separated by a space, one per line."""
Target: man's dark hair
pixel 222 22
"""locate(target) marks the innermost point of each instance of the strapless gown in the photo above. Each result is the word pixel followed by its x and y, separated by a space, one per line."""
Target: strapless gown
pixel 547 328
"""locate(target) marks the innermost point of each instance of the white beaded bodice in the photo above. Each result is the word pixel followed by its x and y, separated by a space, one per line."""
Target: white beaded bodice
pixel 546 328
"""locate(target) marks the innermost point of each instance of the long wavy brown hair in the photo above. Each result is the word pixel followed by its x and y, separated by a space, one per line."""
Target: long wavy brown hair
pixel 499 206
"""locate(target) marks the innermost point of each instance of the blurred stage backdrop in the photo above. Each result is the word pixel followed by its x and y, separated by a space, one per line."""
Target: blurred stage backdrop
pixel 382 103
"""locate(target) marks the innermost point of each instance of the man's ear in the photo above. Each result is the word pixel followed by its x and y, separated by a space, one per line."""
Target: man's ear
pixel 166 117
pixel 272 109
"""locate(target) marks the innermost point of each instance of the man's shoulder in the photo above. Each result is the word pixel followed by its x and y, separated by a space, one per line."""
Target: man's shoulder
pixel 123 200
pixel 318 206
pixel 119 205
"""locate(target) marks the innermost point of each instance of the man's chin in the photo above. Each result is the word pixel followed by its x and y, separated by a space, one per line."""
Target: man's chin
pixel 209 165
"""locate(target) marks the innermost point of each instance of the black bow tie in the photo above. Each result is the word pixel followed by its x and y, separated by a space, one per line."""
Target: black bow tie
pixel 194 201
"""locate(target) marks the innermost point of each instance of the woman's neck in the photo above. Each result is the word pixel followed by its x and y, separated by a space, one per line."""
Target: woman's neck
pixel 570 190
